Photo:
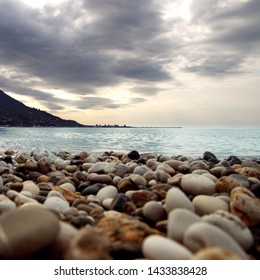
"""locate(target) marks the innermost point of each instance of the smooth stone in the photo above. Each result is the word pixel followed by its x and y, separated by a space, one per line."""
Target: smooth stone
pixel 137 179
pixel 215 253
pixel 149 176
pixel 54 193
pixel 201 235
pixel 107 192
pixel 162 176
pixel 175 180
pixel 194 184
pixel 176 198
pixel 152 164
pixel 250 163
pixel 210 176
pixel 157 247
pixel 57 204
pixel 25 231
pixel 245 205
pixel 179 220
pixel 20 199
pixel 141 170
pixel 61 164
pixel 121 170
pixel 125 184
pixel 233 226
pixel 31 165
pixel 68 186
pixel 205 204
pixel 1 182
pixel 140 198
pixel 22 157
pixel 44 165
pixel 134 155
pixel 71 168
pixel 210 157
pixel 92 189
pixel 249 172
pixel 217 171
pixel 241 178
pixel 107 202
pixel 166 168
pixel 154 211
pixel 227 184
pixel 100 178
pixel 81 220
pixel 6 205
pixel 118 202
pixel 31 187
pixel 198 164
pixel 174 163
pixel 98 167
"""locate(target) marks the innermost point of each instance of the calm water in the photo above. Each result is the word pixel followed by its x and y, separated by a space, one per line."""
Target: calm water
pixel 169 141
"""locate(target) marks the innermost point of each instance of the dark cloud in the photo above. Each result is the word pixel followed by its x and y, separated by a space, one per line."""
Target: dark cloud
pixel 84 46
pixel 81 46
pixel 232 36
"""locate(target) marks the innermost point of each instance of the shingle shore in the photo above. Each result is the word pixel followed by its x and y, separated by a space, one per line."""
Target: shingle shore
pixel 128 206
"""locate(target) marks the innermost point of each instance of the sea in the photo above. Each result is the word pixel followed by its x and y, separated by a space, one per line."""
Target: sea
pixel 191 142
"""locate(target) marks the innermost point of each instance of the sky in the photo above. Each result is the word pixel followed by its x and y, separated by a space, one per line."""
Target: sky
pixel 142 63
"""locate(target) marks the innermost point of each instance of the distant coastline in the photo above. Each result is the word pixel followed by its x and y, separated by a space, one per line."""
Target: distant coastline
pixel 90 126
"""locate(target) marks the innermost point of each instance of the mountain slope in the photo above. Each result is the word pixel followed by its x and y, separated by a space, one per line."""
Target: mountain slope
pixel 15 113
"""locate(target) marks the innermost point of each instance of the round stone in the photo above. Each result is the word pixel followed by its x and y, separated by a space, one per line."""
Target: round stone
pixel 98 167
pixel 31 187
pixel 227 184
pixel 107 192
pixel 137 179
pixel 194 184
pixel 179 220
pixel 100 178
pixel 201 235
pixel 68 186
pixel 245 205
pixel 26 230
pixel 233 226
pixel 44 165
pixel 176 198
pixel 205 204
pixel 6 205
pixel 154 211
pixel 57 204
pixel 157 247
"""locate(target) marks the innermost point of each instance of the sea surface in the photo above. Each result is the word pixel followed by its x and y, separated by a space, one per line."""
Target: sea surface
pixel 191 142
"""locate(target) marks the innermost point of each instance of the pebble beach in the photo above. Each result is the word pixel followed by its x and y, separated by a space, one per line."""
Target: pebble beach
pixel 116 205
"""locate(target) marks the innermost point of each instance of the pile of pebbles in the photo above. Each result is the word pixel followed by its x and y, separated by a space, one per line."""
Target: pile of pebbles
pixel 128 206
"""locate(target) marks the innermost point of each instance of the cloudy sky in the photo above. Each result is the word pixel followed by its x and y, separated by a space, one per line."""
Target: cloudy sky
pixel 141 62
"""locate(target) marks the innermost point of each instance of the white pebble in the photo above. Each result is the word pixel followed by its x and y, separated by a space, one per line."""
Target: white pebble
pixel 157 247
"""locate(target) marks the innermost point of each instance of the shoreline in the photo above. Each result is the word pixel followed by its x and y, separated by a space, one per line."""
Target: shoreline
pixel 122 204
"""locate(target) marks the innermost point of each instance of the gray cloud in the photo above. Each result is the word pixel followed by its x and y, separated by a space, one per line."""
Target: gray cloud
pixel 232 36
pixel 84 46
